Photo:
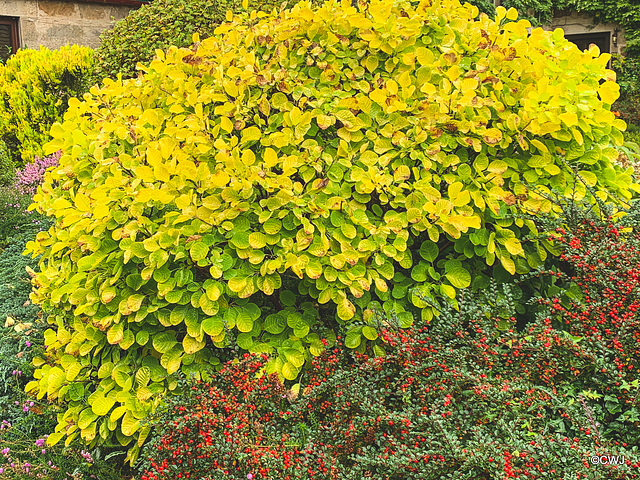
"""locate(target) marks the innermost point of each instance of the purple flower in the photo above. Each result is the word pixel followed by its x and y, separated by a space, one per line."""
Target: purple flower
pixel 1 470
pixel 40 442
pixel 5 451
pixel 27 343
pixel 249 476
pixel 32 175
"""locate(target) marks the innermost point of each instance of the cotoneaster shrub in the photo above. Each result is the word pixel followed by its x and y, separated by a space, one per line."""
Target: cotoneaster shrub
pixel 298 172
pixel 468 396
pixel 35 88
pixel 157 26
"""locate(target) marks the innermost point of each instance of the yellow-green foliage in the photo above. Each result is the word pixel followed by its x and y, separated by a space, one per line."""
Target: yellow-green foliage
pixel 295 172
pixel 35 86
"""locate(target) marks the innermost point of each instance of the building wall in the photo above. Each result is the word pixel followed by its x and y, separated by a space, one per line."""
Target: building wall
pixel 53 23
pixel 578 23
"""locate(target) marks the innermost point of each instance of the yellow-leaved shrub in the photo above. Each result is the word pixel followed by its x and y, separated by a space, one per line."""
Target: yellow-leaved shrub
pixel 294 174
pixel 35 88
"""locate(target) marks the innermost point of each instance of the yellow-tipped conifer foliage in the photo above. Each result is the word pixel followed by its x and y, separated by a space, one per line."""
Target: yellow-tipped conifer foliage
pixel 294 172
pixel 35 87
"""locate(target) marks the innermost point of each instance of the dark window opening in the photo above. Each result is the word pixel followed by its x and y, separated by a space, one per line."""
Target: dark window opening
pixel 583 40
pixel 9 42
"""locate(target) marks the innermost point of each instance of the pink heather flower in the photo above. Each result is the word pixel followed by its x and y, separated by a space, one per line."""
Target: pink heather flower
pixel 86 456
pixel 249 476
pixel 32 175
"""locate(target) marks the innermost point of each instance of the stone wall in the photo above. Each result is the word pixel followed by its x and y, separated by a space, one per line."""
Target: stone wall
pixel 53 23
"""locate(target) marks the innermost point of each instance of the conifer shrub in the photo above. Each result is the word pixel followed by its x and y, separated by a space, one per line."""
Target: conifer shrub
pixel 297 173
pixel 35 88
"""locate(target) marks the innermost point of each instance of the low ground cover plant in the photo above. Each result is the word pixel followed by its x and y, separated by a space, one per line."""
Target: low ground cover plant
pixel 469 395
pixel 16 220
pixel 7 167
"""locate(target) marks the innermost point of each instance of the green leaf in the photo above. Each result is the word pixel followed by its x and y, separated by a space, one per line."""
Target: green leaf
pixel 244 323
pixel 198 251
pixel 289 371
pixel 86 418
pixel 129 424
pixel 459 277
pixel 164 342
pixel 105 370
pixel 370 333
pixel 135 281
pixel 213 326
pixel 143 376
pixel 171 360
pixel 346 310
pixel 102 405
pixel 244 341
pixel 76 392
pixel 275 323
pixel 405 319
pixel 287 298
pixel 142 337
pixel 128 339
pixel 115 334
pixel 429 251
pixel 352 340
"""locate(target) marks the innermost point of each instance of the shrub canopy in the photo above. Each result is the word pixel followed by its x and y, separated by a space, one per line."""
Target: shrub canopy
pixel 298 172
pixel 35 87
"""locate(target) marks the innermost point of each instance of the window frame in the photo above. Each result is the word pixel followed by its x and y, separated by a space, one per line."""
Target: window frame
pixel 14 24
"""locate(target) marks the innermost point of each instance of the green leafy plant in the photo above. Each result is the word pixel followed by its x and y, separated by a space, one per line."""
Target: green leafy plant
pixel 157 26
pixel 628 77
pixel 16 221
pixel 7 168
pixel 35 87
pixel 292 175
